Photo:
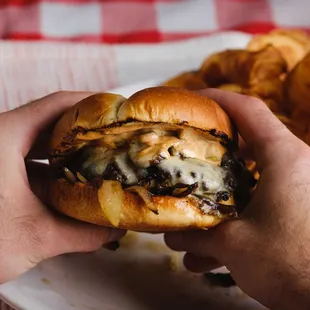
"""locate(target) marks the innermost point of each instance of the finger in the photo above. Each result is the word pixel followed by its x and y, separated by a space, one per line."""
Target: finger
pixel 262 131
pixel 198 264
pixel 72 236
pixel 31 119
pixel 200 243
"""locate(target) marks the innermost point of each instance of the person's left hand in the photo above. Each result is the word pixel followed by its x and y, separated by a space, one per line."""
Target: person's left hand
pixel 29 232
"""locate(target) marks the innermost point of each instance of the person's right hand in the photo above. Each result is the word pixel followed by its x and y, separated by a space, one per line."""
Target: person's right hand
pixel 267 250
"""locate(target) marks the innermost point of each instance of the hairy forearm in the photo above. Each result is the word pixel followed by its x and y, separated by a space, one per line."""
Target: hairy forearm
pixel 292 290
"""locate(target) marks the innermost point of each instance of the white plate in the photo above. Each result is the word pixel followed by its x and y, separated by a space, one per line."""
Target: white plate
pixel 142 274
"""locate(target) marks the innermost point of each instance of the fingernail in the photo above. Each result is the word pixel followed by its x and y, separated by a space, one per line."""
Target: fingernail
pixel 116 234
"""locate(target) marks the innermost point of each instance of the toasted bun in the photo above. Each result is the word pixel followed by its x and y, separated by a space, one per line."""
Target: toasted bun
pixel 99 114
pixel 157 105
pixel 81 202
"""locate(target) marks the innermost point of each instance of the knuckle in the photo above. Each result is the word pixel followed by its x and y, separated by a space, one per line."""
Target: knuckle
pixel 254 101
pixel 59 93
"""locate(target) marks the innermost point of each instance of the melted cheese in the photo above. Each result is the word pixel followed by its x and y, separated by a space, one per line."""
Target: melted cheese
pixel 151 147
pixel 137 150
pixel 99 158
pixel 210 178
pixel 96 160
pixel 126 169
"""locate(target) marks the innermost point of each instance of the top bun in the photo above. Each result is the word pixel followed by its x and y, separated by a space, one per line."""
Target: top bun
pixel 157 105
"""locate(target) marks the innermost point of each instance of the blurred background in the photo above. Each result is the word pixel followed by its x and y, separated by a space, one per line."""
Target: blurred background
pixel 47 45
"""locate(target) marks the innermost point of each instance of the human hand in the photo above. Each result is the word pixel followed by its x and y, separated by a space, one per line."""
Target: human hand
pixel 29 232
pixel 267 249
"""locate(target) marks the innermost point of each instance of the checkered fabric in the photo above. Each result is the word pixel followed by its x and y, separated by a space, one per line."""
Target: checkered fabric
pixel 133 21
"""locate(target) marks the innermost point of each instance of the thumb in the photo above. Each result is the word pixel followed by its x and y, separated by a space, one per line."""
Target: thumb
pixel 219 243
pixel 262 131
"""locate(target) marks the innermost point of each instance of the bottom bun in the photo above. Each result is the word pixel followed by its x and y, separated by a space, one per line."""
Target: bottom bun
pixel 80 201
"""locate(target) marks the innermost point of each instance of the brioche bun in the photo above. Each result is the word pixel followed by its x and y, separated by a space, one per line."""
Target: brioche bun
pixel 81 202
pixel 99 114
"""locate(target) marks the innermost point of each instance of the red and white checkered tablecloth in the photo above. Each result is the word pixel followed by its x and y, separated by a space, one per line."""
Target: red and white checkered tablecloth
pixel 132 21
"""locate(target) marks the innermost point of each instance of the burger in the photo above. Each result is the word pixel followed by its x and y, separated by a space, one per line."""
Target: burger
pixel 165 159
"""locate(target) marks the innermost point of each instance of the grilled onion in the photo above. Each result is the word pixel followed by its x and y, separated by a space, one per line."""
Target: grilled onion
pixel 183 190
pixel 145 195
pixel 70 177
pixel 81 178
pixel 178 190
pixel 111 199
